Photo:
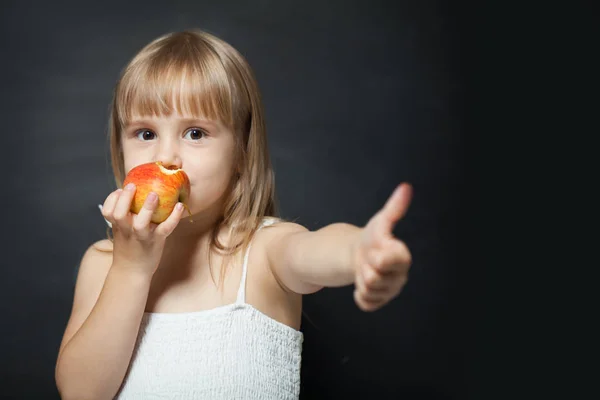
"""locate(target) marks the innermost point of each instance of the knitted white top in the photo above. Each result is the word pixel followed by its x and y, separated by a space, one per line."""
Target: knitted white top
pixel 229 352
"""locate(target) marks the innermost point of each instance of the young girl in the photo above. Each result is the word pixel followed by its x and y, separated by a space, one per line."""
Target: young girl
pixel 208 305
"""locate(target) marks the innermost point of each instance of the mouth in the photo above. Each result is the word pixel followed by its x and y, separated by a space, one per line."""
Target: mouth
pixel 170 170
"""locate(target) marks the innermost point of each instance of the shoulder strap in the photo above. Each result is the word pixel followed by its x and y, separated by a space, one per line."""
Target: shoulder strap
pixel 241 296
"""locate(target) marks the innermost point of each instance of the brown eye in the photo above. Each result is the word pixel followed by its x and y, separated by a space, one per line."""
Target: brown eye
pixel 146 135
pixel 194 134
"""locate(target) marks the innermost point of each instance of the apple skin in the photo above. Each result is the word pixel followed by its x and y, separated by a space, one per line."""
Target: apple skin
pixel 171 186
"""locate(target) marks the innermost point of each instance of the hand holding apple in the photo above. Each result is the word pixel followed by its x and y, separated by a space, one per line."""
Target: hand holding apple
pixel 152 193
pixel 171 186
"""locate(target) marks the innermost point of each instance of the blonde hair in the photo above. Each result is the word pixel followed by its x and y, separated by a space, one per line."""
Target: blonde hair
pixel 195 73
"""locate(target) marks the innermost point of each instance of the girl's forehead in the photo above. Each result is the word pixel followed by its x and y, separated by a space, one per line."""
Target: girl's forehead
pixel 175 118
pixel 172 116
pixel 169 109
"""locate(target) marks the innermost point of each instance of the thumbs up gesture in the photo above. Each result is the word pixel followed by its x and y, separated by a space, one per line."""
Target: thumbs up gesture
pixel 381 260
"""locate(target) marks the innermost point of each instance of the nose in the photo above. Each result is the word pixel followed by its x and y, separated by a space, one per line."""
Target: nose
pixel 169 155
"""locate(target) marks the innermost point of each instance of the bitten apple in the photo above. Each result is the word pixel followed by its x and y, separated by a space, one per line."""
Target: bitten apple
pixel 170 184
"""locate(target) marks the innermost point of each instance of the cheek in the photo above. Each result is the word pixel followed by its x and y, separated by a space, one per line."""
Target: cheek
pixel 207 191
pixel 210 178
pixel 132 159
pixel 129 164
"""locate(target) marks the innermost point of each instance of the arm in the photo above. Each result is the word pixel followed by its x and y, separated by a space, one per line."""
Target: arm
pixel 305 261
pixel 341 254
pixel 102 330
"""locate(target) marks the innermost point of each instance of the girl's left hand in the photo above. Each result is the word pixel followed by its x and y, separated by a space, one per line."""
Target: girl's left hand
pixel 381 260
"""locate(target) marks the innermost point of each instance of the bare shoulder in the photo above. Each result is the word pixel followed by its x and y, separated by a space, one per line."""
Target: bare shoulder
pixel 93 269
pixel 94 266
pixel 103 245
pixel 276 231
pixel 265 290
pixel 277 228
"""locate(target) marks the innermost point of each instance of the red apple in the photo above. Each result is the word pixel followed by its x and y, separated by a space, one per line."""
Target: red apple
pixel 172 185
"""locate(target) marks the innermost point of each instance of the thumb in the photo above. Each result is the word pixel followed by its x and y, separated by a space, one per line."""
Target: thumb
pixel 396 206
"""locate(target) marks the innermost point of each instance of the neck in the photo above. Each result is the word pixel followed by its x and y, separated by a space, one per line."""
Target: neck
pixel 192 236
pixel 198 226
pixel 195 228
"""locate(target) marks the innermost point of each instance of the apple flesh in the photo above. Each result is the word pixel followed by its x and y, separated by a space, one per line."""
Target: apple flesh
pixel 170 184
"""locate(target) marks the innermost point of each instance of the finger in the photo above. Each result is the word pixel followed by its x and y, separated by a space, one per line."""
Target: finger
pixel 396 206
pixel 371 279
pixel 359 283
pixel 369 294
pixel 109 205
pixel 141 221
pixel 166 227
pixel 394 257
pixel 371 301
pixel 366 305
pixel 373 298
pixel 121 212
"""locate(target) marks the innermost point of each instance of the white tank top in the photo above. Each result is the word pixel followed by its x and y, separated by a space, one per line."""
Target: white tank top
pixel 229 352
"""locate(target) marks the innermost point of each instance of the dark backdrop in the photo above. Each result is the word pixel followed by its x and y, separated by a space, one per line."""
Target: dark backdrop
pixel 359 96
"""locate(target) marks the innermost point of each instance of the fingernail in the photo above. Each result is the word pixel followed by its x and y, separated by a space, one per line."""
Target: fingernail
pixel 119 191
pixel 130 186
pixel 152 197
pixel 179 206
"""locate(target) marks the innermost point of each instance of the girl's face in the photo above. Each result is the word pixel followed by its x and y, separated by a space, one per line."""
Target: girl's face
pixel 203 149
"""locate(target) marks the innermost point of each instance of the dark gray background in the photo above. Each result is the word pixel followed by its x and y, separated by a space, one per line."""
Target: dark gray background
pixel 359 96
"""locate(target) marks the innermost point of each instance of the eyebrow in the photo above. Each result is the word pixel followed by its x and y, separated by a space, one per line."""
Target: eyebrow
pixel 182 121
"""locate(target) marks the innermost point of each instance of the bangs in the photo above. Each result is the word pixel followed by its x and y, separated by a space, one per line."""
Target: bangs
pixel 186 80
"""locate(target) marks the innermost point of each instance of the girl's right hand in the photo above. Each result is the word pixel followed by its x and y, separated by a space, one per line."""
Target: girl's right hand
pixel 138 242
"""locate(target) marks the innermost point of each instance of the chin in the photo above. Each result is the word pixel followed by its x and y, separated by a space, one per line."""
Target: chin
pixel 200 210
